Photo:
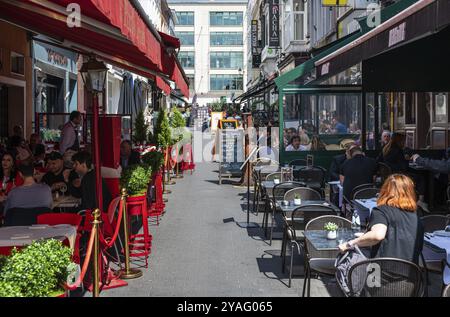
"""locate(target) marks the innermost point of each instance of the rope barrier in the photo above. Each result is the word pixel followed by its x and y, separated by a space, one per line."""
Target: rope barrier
pixel 109 244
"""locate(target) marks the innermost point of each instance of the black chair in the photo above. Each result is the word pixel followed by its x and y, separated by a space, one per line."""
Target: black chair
pixel 314 177
pixel 294 226
pixel 348 207
pixel 383 172
pixel 278 193
pixel 304 193
pixel 366 193
pixel 24 216
pixel 320 262
pixel 433 223
pixel 385 277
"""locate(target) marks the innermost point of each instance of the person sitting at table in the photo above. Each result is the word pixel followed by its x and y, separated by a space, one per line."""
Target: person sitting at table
pixel 39 157
pixel 85 169
pixel 35 140
pixel 30 194
pixel 438 166
pixel 57 176
pixel 385 138
pixel 22 153
pixel 127 155
pixel 295 145
pixel 358 170
pixel 393 154
pixel 395 230
pixel 8 175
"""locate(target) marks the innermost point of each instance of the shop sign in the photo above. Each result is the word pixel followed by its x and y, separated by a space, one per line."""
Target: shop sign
pixel 274 20
pixel 397 34
pixel 325 69
pixel 56 58
pixel 256 50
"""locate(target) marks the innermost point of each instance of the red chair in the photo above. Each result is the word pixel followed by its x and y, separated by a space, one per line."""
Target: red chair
pixel 113 186
pixel 52 219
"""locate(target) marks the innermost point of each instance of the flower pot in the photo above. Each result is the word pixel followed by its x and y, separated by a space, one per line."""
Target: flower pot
pixel 135 204
pixel 331 235
pixel 297 202
pixel 276 181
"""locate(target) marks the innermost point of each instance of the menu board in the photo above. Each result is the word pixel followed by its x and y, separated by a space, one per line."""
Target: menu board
pixel 231 146
pixel 228 124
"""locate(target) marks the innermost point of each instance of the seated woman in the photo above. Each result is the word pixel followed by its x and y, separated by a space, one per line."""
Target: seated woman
pixel 317 144
pixel 395 229
pixel 393 154
pixel 8 175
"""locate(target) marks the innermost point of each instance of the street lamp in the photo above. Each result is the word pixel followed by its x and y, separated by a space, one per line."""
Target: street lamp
pixel 94 74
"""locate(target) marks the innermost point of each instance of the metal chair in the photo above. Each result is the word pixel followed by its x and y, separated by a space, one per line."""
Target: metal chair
pixel 348 208
pixel 304 193
pixel 320 262
pixel 294 226
pixel 385 277
pixel 314 177
pixel 273 176
pixel 433 223
pixel 278 194
pixel 446 292
pixel 366 193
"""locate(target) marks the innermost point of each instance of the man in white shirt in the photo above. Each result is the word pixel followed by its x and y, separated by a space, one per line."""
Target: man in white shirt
pixel 69 136
pixel 295 145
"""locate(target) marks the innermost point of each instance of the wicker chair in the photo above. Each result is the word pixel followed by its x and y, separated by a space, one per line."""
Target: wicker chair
pixel 320 262
pixel 294 230
pixel 278 194
pixel 304 193
pixel 385 277
pixel 314 177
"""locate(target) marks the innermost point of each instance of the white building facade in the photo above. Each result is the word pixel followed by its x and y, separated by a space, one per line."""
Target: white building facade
pixel 213 51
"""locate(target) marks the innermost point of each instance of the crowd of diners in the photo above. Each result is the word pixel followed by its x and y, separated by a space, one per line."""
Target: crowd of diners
pixel 32 178
pixel 394 229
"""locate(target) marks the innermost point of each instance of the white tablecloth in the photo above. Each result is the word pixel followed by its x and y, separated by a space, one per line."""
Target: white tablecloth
pixel 23 236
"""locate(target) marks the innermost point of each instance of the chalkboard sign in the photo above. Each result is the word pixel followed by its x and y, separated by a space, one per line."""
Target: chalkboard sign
pixel 228 124
pixel 231 155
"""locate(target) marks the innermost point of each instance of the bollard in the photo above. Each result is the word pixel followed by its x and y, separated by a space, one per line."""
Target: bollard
pixel 96 226
pixel 128 273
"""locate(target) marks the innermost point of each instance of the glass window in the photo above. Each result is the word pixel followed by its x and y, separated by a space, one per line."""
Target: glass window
pixel 185 18
pixel 321 122
pixel 294 25
pixel 227 60
pixel 191 79
pixel 187 59
pixel 440 107
pixel 226 18
pixel 226 38
pixel 186 38
pixel 226 82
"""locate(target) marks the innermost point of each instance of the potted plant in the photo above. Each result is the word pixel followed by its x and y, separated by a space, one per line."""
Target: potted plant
pixel 155 160
pixel 140 132
pixel 297 200
pixel 136 179
pixel 331 229
pixel 39 270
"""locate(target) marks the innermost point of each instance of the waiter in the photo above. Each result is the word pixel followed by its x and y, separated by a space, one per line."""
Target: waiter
pixel 69 135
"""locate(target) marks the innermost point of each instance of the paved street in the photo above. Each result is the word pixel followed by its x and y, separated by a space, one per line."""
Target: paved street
pixel 200 251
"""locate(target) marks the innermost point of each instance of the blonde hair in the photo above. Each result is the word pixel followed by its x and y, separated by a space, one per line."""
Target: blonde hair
pixel 398 191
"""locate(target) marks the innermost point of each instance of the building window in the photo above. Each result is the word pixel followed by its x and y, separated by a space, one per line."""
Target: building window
pixel 191 79
pixel 186 38
pixel 226 18
pixel 227 60
pixel 187 59
pixel 185 18
pixel 294 21
pixel 226 39
pixel 226 82
pixel 17 64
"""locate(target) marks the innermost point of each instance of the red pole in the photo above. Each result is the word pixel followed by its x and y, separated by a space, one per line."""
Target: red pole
pixel 96 145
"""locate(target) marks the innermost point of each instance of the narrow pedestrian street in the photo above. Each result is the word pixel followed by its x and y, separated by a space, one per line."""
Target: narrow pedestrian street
pixel 200 251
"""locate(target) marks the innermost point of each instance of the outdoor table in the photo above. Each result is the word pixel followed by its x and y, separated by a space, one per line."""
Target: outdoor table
pixel 363 208
pixel 440 244
pixel 66 202
pixel 26 235
pixel 430 180
pixel 318 238
pixel 288 210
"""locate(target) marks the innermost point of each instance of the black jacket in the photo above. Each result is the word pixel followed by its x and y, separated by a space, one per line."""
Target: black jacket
pixel 438 166
pixel 335 167
pixel 88 193
pixel 395 159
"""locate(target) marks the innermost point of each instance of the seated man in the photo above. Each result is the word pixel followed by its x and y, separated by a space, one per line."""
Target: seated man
pixel 58 176
pixel 296 145
pixel 128 157
pixel 30 194
pixel 358 170
pixel 85 169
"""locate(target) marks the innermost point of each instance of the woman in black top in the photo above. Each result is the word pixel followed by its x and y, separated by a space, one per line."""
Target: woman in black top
pixel 395 230
pixel 393 154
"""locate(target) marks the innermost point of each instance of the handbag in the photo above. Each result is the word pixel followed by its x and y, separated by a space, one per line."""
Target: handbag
pixel 343 264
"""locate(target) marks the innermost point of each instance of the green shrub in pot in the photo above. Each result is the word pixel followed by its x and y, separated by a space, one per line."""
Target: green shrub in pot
pixel 38 270
pixel 135 179
pixel 154 159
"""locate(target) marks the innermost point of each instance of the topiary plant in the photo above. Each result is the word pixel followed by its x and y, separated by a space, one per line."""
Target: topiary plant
pixel 177 119
pixel 38 270
pixel 135 179
pixel 162 133
pixel 140 128
pixel 8 289
pixel 154 159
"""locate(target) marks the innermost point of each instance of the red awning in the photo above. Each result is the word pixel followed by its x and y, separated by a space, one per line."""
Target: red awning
pixel 170 41
pixel 111 29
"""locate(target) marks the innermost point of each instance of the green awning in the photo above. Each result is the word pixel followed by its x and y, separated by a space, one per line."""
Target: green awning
pixel 308 66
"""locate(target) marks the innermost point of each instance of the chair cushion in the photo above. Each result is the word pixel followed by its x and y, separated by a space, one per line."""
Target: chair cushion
pixel 324 266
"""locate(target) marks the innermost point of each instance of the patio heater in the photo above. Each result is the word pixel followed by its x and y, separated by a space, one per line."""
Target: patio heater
pixel 94 74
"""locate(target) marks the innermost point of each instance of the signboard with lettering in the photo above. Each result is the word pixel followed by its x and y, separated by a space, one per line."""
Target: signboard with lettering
pixel 397 34
pixel 228 124
pixel 231 146
pixel 256 49
pixel 274 20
